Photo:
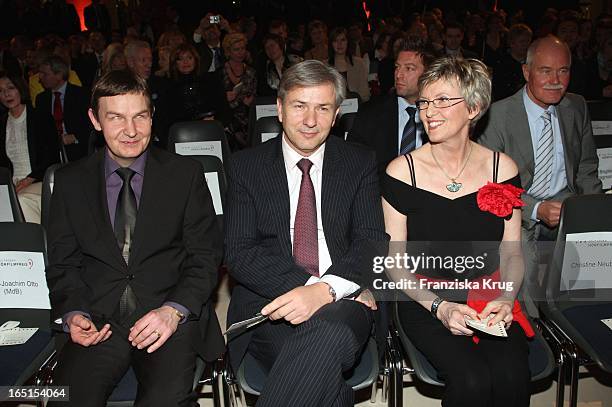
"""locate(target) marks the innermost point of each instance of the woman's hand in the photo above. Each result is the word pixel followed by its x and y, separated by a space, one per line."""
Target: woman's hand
pixel 230 95
pixel 247 100
pixel 26 182
pixel 452 316
pixel 502 308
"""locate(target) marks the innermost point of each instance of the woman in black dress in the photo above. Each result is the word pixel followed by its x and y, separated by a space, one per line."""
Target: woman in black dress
pixel 454 190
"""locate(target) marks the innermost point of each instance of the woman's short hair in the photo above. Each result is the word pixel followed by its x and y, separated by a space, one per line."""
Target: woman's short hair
pixel 232 39
pixel 312 73
pixel 181 49
pixel 276 38
pixel 19 83
pixel 471 75
pixel 115 83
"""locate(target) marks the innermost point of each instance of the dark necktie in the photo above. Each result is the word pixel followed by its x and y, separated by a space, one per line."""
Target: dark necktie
pixel 125 220
pixel 58 113
pixel 409 134
pixel 305 239
pixel 217 58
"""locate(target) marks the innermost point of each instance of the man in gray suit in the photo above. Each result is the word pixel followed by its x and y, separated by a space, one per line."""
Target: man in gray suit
pixel 547 132
pixel 302 209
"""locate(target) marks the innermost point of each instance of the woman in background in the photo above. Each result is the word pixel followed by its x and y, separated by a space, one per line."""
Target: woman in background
pixel 351 67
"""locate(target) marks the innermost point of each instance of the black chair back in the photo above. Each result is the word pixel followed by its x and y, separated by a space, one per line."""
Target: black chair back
pixel 198 138
pixel 217 183
pixel 265 129
pixel 262 106
pixel 10 210
pixel 343 125
pixel 601 121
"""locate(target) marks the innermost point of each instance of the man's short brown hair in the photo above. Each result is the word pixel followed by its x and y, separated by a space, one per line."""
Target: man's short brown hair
pixel 115 83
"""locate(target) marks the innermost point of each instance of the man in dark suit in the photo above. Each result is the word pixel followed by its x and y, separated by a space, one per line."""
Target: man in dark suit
pixel 208 38
pixel 67 104
pixel 547 132
pixel 390 125
pixel 134 248
pixel 302 210
pixel 453 37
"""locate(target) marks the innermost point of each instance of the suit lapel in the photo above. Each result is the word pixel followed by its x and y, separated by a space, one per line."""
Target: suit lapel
pixel 331 184
pixel 95 191
pixel 521 135
pixel 566 120
pixel 276 191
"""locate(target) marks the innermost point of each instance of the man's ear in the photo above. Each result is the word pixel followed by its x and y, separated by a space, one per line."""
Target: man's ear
pixel 336 116
pixel 94 120
pixel 279 109
pixel 525 68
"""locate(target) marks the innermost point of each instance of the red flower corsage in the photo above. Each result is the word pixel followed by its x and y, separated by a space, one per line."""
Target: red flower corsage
pixel 499 199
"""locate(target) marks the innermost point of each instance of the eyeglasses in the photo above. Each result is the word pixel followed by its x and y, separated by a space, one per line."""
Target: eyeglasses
pixel 439 103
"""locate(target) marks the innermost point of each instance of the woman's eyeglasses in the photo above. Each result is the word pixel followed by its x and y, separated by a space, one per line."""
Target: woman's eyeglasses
pixel 438 103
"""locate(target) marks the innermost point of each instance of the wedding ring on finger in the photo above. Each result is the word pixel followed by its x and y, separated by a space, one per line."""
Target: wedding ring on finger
pixel 156 333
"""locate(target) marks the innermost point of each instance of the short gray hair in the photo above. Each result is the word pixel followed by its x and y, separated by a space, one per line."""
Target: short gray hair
pixel 471 75
pixel 533 48
pixel 133 46
pixel 312 73
pixel 57 65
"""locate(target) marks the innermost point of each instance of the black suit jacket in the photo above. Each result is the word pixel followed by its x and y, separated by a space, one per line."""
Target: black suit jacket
pixel 43 146
pixel 376 127
pixel 176 247
pixel 76 120
pixel 257 240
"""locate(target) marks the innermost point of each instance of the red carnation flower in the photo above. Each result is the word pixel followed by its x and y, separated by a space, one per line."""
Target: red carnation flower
pixel 499 199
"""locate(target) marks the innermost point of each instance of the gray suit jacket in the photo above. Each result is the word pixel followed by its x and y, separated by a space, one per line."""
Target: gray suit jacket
pixel 507 131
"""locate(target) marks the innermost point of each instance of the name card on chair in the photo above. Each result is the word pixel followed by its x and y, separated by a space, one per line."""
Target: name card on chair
pixel 6 213
pixel 587 261
pixel 267 136
pixel 200 148
pixel 212 180
pixel 601 127
pixel 349 106
pixel 22 280
pixel 265 111
pixel 605 166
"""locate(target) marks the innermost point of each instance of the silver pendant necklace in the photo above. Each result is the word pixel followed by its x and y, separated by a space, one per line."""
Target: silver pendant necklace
pixel 454 186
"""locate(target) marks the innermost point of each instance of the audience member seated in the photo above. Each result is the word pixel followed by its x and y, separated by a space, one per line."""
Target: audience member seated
pixel 433 194
pixel 34 82
pixel 207 37
pixel 453 37
pixel 132 293
pixel 194 96
pixel 163 61
pixel 317 31
pixel 87 63
pixel 599 74
pixel 567 31
pixel 508 70
pixel 67 104
pixel 547 131
pixel 390 125
pixel 139 59
pixel 240 84
pixel 28 143
pixel 113 58
pixel 351 67
pixel 271 68
pixel 313 335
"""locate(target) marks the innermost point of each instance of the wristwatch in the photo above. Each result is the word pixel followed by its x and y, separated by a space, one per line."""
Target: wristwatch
pixel 332 292
pixel 435 305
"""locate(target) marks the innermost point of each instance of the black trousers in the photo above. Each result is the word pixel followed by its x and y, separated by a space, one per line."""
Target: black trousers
pixel 492 373
pixel 165 377
pixel 306 362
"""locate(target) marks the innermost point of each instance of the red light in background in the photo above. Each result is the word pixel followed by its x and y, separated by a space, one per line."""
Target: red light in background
pixel 80 7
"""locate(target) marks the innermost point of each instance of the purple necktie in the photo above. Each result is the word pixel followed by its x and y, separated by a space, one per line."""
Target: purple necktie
pixel 305 242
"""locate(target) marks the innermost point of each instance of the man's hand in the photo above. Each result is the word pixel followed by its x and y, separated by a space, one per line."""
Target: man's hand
pixel 85 333
pixel 26 182
pixel 367 299
pixel 154 329
pixel 549 212
pixel 68 139
pixel 299 304
pixel 453 315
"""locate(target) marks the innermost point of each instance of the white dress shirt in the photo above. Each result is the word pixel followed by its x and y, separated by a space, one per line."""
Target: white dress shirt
pixel 558 181
pixel 17 145
pixel 341 286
